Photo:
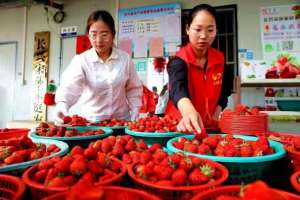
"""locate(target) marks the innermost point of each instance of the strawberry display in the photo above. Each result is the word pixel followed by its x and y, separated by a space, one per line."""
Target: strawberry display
pixel 285 66
pixel 16 150
pixel 80 164
pixel 75 120
pixel 177 170
pixel 111 122
pixel 124 148
pixel 60 131
pixel 227 146
pixel 154 124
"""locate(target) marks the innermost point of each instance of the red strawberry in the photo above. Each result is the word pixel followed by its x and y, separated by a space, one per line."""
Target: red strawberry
pixel 154 147
pixel 69 180
pixel 50 175
pixel 94 167
pixel 97 145
pixel 103 159
pixel 77 150
pixel 118 150
pixel 208 170
pixel 63 165
pixel 67 119
pixel 246 150
pixel 196 177
pixel 179 177
pixel 135 156
pixel 131 145
pixel 45 164
pixel 178 145
pixel 56 182
pixel 163 172
pixel 14 158
pixel 145 157
pixel 40 175
pixel 90 153
pixel 51 147
pixel 186 164
pixel 212 141
pixel 106 146
pixel 204 149
pixel 78 167
pixel 190 148
pixel 126 159
pixel 142 145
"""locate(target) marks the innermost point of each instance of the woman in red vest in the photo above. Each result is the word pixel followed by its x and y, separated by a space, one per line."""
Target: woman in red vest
pixel 199 82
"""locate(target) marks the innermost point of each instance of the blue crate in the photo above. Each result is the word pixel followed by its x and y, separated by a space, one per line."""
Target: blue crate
pixel 241 169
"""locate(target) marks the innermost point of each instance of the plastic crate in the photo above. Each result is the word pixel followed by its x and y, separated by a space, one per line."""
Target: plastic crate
pixel 180 192
pixel 127 193
pixel 288 104
pixel 244 124
pixel 83 141
pixel 151 138
pixel 294 181
pixel 64 148
pixel 11 187
pixel 39 191
pixel 234 190
pixel 241 169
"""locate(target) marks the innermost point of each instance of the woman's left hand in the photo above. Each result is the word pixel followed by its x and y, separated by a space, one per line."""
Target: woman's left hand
pixel 217 112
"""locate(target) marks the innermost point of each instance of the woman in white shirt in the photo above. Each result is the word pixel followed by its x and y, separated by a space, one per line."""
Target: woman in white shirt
pixel 103 76
pixel 162 101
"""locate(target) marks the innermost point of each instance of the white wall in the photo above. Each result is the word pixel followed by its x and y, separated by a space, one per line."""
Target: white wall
pixel 12 20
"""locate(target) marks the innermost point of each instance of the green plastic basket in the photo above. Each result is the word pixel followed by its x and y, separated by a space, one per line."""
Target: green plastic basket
pixel 153 137
pixel 241 169
pixel 20 166
pixel 83 141
pixel 288 104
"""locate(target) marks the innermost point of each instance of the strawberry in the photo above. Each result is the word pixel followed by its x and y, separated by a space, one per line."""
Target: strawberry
pixel 69 180
pixel 135 156
pixel 103 159
pixel 154 147
pixel 131 145
pixel 40 176
pixel 26 142
pixel 35 155
pixel 6 151
pixel 179 177
pixel 159 155
pixel 90 153
pixel 106 146
pixel 63 165
pixel 190 148
pixel 52 172
pixel 230 151
pixel 77 150
pixel 212 141
pixel 175 158
pixel 67 119
pixel 118 150
pixel 56 182
pixel 85 189
pixel 97 145
pixel 14 158
pixel 204 149
pixel 186 164
pixel 94 167
pixel 208 170
pixel 178 145
pixel 51 147
pixel 145 157
pixel 196 177
pixel 246 150
pixel 141 145
pixel 78 167
pixel 163 172
pixel 126 159
pixel 45 164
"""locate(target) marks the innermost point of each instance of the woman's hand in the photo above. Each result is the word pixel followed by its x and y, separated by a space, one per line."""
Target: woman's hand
pixel 191 120
pixel 217 112
pixel 59 113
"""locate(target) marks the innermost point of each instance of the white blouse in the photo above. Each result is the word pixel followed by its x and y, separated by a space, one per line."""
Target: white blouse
pixel 109 89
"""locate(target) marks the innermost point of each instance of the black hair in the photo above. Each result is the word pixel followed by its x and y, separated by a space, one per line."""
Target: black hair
pixel 104 16
pixel 211 10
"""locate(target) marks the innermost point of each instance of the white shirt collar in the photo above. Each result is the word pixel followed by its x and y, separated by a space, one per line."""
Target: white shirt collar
pixel 95 57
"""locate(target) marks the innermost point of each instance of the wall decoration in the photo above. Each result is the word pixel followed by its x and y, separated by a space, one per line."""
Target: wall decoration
pixel 40 74
pixel 153 31
pixel 280 31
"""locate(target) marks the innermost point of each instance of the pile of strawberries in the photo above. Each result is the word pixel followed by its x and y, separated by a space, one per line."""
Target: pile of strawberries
pixel 154 124
pixel 111 122
pixel 17 150
pixel 75 120
pixel 64 132
pixel 124 148
pixel 174 170
pixel 242 110
pixel 79 164
pixel 227 146
pixel 284 67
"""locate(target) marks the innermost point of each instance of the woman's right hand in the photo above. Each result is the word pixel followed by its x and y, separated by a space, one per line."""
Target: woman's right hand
pixel 59 113
pixel 191 120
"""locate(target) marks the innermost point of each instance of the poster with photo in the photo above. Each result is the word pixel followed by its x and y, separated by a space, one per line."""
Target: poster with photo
pixel 151 31
pixel 280 31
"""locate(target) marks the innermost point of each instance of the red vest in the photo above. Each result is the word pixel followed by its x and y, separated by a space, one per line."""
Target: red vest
pixel 204 87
